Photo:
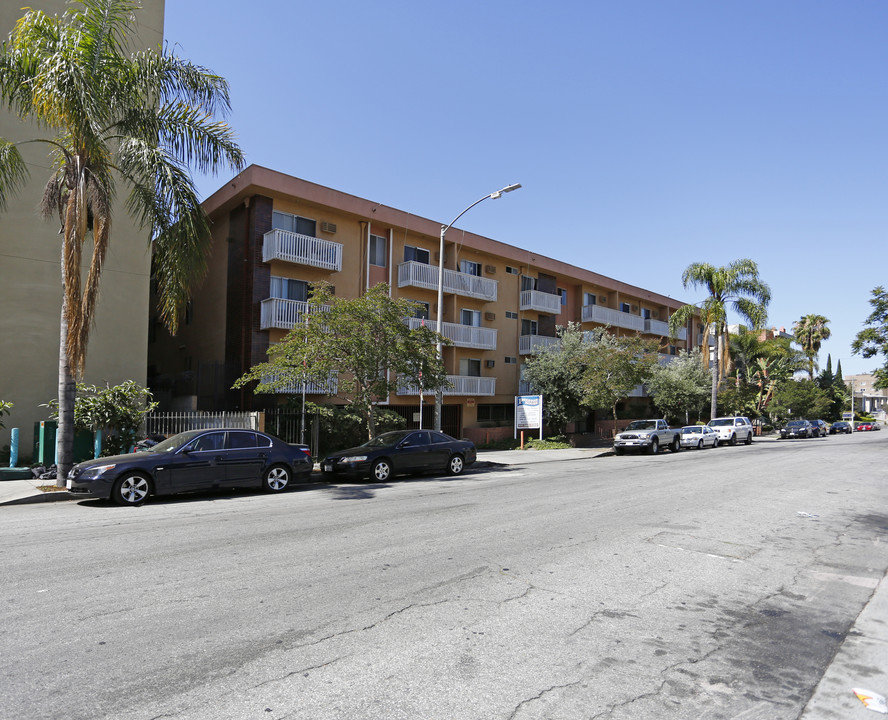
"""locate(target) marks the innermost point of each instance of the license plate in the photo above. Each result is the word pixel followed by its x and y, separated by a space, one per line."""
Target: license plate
pixel 328 468
pixel 69 484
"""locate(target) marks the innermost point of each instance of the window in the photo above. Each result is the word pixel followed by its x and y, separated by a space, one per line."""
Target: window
pixel 499 413
pixel 673 350
pixel 470 317
pixel 511 360
pixel 418 438
pixel 511 315
pixel 210 441
pixel 646 313
pixel 422 311
pixel 377 251
pixel 528 283
pixel 470 268
pixel 470 367
pixel 289 289
pixel 624 307
pixel 589 299
pixel 563 293
pixel 437 437
pixel 240 440
pixel 293 223
pixel 416 254
pixel 512 271
pixel 529 327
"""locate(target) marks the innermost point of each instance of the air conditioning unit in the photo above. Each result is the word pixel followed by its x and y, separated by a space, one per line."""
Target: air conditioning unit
pixel 489 363
pixel 602 298
pixel 635 308
pixel 328 227
pixel 655 315
pixel 490 269
pixel 489 316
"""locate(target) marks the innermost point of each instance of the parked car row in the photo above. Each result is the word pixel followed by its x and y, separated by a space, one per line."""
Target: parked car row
pixel 650 435
pixel 230 458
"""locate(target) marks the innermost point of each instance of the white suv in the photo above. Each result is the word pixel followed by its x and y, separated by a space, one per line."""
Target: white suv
pixel 730 430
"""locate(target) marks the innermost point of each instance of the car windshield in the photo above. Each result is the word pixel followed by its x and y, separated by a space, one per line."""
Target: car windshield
pixel 691 429
pixel 720 422
pixel 176 441
pixel 642 425
pixel 389 438
pixel 795 423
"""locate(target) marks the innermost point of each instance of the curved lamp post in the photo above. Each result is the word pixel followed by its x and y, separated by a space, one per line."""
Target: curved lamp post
pixel 439 393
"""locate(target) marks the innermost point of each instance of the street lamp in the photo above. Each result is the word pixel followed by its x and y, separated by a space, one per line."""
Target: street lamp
pixel 439 393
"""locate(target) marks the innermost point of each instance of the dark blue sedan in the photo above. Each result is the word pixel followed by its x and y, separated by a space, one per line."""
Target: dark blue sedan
pixel 399 452
pixel 194 460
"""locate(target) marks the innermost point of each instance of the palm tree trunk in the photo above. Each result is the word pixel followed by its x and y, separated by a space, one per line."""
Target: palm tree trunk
pixel 67 392
pixel 713 403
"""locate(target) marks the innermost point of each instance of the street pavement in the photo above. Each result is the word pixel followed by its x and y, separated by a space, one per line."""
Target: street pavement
pixel 861 661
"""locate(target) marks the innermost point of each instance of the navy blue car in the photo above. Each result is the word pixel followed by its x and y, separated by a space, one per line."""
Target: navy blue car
pixel 400 452
pixel 194 460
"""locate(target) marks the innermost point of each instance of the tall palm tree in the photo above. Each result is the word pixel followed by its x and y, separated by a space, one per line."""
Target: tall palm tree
pixel 110 115
pixel 809 332
pixel 736 287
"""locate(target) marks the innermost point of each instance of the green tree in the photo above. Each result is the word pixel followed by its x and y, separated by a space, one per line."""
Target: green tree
pixel 112 116
pixel 611 367
pixel 680 386
pixel 553 371
pixel 873 339
pixel 736 287
pixel 118 411
pixel 5 409
pixel 800 399
pixel 809 332
pixel 364 342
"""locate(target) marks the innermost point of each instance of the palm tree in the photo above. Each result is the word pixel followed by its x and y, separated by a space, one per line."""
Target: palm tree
pixel 110 115
pixel 737 287
pixel 810 331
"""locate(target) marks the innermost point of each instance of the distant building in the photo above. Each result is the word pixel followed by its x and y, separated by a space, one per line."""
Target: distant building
pixel 866 398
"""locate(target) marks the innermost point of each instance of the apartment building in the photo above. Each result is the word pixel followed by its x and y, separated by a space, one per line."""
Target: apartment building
pixel 30 272
pixel 867 398
pixel 275 234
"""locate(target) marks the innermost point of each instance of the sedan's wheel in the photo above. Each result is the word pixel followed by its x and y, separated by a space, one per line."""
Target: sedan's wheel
pixel 715 443
pixel 749 439
pixel 382 471
pixel 675 446
pixel 655 446
pixel 700 445
pixel 733 440
pixel 456 465
pixel 131 489
pixel 276 479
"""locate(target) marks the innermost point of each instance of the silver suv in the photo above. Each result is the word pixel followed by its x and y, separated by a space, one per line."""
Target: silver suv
pixel 730 430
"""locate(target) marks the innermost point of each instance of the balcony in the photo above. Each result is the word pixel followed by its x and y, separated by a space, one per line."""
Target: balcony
pixel 471 386
pixel 609 316
pixel 312 387
pixel 422 275
pixel 527 343
pixel 467 336
pixel 301 249
pixel 540 301
pixel 637 391
pixel 656 327
pixel 282 314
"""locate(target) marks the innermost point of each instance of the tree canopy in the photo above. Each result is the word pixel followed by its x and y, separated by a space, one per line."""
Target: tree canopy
pixel 680 386
pixel 873 339
pixel 361 349
pixel 810 331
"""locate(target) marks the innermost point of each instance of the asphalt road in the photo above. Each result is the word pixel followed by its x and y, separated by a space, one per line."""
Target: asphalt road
pixel 707 584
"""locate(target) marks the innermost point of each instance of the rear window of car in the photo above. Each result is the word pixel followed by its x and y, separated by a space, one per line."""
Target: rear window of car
pixel 240 440
pixel 691 429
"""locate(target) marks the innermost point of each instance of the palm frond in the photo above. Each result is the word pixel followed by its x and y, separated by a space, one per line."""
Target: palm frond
pixel 13 172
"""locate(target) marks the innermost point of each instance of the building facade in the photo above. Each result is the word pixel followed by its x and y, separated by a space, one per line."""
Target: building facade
pixel 30 273
pixel 868 399
pixel 275 234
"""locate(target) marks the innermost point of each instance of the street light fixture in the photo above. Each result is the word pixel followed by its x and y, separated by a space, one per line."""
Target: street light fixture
pixel 439 393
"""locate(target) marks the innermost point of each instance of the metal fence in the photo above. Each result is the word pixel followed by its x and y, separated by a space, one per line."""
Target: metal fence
pixel 170 423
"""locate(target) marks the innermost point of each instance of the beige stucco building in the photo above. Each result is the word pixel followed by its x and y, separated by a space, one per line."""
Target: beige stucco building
pixel 30 275
pixel 274 234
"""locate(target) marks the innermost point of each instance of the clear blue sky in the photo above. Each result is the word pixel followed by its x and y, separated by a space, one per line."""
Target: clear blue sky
pixel 647 134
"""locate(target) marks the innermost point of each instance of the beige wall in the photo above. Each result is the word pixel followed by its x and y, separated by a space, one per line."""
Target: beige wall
pixel 30 292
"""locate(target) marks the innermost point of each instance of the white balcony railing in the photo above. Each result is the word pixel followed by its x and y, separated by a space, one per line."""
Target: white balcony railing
pixel 656 327
pixel 638 391
pixel 540 301
pixel 466 336
pixel 312 387
pixel 417 274
pixel 282 314
pixel 527 343
pixel 462 385
pixel 609 316
pixel 302 249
